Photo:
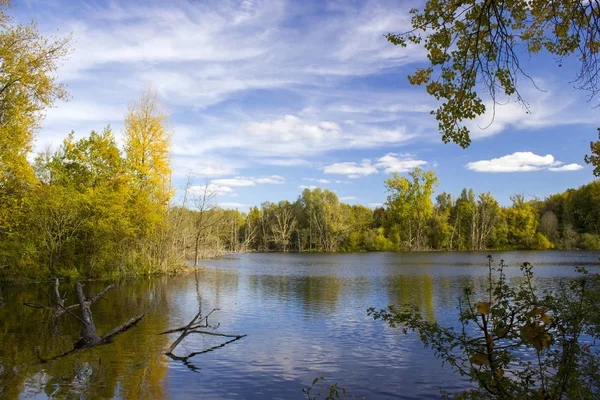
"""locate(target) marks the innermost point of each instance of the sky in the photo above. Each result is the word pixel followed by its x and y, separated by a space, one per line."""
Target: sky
pixel 267 98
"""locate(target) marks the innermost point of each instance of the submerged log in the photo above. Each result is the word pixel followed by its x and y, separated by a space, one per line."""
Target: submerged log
pixel 89 335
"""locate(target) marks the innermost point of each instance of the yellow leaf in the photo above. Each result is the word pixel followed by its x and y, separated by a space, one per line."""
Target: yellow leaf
pixel 480 359
pixel 500 373
pixel 545 318
pixel 483 307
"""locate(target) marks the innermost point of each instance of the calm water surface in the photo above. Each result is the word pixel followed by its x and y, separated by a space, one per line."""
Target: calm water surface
pixel 304 314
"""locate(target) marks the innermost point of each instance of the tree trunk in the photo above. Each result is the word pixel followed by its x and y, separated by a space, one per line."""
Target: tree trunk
pixel 196 255
pixel 89 335
pixel 60 302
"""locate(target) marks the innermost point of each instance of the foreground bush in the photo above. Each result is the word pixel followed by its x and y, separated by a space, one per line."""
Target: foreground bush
pixel 514 342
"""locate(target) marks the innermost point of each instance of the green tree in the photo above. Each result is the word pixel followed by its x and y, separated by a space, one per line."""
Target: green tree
pixel 409 201
pixel 521 221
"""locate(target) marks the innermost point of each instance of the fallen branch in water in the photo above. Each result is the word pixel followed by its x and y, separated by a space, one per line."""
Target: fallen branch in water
pixel 198 325
pixel 89 335
pixel 174 357
pixel 192 327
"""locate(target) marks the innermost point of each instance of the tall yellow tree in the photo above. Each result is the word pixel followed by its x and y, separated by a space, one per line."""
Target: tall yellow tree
pixel 148 146
pixel 28 85
pixel 148 165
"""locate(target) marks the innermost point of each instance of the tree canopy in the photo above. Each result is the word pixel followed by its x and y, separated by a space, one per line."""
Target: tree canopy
pixel 473 46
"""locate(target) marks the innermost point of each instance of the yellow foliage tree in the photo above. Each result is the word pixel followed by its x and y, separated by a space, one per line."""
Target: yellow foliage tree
pixel 28 86
pixel 148 146
pixel 147 163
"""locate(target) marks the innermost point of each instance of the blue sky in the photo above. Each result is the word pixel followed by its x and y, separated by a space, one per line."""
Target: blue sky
pixel 269 97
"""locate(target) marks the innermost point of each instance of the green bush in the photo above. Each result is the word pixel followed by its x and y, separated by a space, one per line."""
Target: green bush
pixel 501 327
pixel 590 241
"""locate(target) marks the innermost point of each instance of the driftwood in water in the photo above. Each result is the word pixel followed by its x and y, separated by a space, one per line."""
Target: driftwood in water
pixel 192 327
pixel 89 334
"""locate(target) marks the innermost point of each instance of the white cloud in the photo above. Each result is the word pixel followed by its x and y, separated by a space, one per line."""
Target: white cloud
pixel 309 111
pixel 347 198
pixel 212 171
pixel 324 181
pixel 235 182
pixel 311 187
pixel 83 110
pixel 273 179
pixel 568 167
pixel 392 162
pixel 209 166
pixel 375 205
pixel 352 169
pixel 521 162
pixel 284 162
pixel 240 181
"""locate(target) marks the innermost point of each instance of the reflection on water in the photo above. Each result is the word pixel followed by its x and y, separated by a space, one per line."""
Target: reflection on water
pixel 305 316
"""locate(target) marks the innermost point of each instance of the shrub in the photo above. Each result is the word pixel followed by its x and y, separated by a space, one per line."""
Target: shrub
pixel 590 241
pixel 500 326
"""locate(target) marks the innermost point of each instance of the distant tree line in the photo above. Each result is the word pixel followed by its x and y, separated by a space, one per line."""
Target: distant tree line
pixel 411 221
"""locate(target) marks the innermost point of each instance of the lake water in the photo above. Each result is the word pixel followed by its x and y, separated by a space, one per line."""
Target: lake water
pixel 304 316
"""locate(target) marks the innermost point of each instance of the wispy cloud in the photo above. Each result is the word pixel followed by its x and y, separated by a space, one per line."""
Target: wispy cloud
pixel 273 179
pixel 284 162
pixel 351 169
pixel 324 181
pixel 234 182
pixel 241 181
pixel 212 171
